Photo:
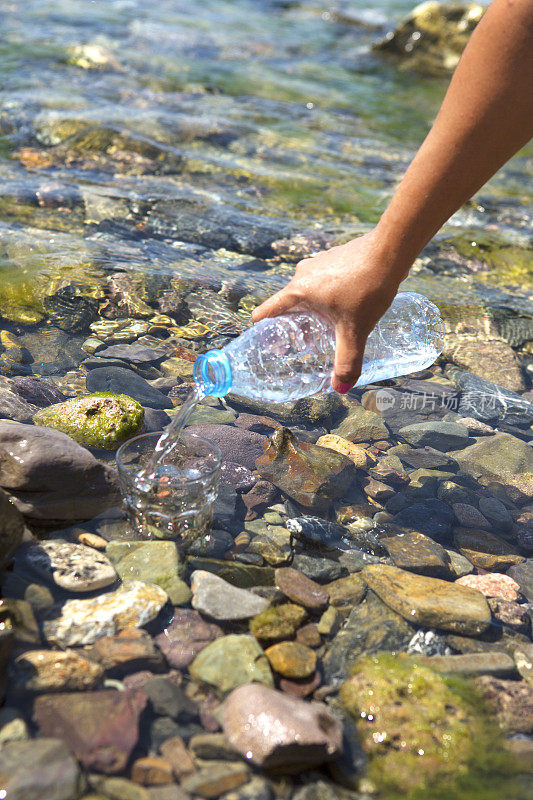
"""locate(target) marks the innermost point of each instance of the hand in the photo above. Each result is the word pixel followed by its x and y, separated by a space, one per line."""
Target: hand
pixel 352 285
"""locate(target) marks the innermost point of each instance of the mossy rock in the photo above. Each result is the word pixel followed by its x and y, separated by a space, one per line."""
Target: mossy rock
pixel 103 419
pixel 425 734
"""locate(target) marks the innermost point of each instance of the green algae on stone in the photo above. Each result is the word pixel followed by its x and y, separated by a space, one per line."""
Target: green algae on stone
pixel 231 661
pixel 278 622
pixel 425 731
pixel 103 419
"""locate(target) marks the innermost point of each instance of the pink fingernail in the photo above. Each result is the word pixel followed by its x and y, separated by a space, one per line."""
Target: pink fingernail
pixel 343 388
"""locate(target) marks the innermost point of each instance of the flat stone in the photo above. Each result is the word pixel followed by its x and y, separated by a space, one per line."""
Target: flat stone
pixel 523 575
pixel 72 567
pixel 136 353
pixel 216 779
pixel 84 621
pixel 299 589
pixel 129 651
pixel 429 601
pixel 291 659
pixel 355 453
pixel 231 661
pixel 312 476
pixel 347 591
pixel 321 569
pixel 151 771
pixel 512 702
pixel 125 381
pixel 362 426
pixel 492 585
pixel 423 457
pixel 439 435
pixel 278 622
pixel 459 564
pixel 412 551
pixel 186 636
pixel 37 391
pixel 432 517
pixel 51 477
pixel 498 664
pixel 475 427
pixel 54 671
pixel 212 746
pixel 498 457
pixel 486 550
pixel 54 773
pixel 110 725
pixel 302 687
pixel 154 562
pixel 220 600
pixel 271 729
pixel 118 789
pixel 370 628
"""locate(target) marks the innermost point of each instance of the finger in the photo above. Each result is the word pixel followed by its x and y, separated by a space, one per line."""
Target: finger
pixel 280 303
pixel 348 358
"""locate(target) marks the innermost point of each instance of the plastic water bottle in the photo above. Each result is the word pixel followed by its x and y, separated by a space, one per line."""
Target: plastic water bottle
pixel 292 356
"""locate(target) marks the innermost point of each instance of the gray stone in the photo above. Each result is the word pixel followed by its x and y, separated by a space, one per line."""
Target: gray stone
pixel 440 435
pixel 39 769
pixel 125 381
pixel 495 511
pixel 50 477
pixel 362 426
pixel 72 567
pixel 237 445
pixel 498 456
pixel 136 353
pixel 231 661
pixel 220 600
pixel 169 700
pixel 498 664
pixel 14 407
pixel 523 575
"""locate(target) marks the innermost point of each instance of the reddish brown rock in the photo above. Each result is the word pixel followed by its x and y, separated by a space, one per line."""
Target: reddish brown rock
pixel 313 476
pixel 100 728
pixel 512 614
pixel 300 589
pixel 309 635
pixel 377 490
pixel 301 688
pixel 185 637
pixel 151 771
pixel 131 650
pixel 262 495
pixel 271 729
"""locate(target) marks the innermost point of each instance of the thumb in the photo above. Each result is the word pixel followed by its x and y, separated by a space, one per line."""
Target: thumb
pixel 280 303
pixel 348 358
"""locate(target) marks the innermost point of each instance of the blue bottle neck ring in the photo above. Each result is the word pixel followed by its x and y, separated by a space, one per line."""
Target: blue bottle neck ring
pixel 212 373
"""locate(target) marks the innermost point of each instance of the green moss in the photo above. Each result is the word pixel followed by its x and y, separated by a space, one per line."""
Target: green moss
pixel 425 731
pixel 103 419
pixel 278 622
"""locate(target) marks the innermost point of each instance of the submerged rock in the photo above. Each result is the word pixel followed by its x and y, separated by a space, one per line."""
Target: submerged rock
pixel 110 726
pixel 231 661
pixel 486 550
pixel 273 730
pixel 186 636
pixel 126 382
pixel 84 621
pixel 51 477
pixel 220 600
pixel 41 768
pixel 429 601
pixel 154 562
pixel 38 391
pixel 416 727
pixel 54 671
pixel 313 476
pixel 101 420
pixel 72 567
pixel 498 457
pixel 14 407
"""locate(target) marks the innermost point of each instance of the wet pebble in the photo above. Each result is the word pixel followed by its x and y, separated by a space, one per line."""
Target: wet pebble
pixel 130 650
pixel 38 391
pixel 125 381
pixel 278 622
pixel 231 661
pixel 300 589
pixel 486 550
pixel 220 600
pixel 185 636
pixel 54 671
pixel 54 773
pixel 72 567
pixel 291 659
pixel 492 584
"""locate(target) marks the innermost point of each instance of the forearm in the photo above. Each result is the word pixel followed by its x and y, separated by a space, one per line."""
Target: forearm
pixel 486 117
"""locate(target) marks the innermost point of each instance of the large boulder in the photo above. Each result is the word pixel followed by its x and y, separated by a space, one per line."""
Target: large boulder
pixel 52 478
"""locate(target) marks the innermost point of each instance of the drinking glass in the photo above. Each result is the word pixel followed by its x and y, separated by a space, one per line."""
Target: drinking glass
pixel 174 500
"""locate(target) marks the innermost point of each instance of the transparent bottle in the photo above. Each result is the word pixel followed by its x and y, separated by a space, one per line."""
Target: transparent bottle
pixel 291 356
